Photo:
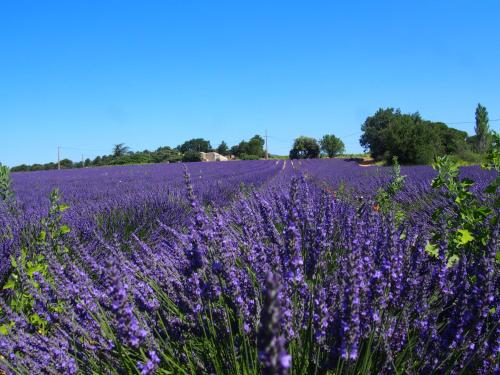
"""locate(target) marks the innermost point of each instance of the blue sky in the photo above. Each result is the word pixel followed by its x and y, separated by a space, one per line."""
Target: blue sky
pixel 88 74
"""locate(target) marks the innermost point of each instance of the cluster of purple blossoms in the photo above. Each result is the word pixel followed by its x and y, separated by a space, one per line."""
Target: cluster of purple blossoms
pixel 288 276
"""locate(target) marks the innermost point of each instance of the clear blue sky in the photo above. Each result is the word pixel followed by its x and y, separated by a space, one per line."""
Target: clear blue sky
pixel 88 74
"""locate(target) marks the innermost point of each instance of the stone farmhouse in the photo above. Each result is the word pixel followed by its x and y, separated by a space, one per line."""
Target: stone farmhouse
pixel 212 156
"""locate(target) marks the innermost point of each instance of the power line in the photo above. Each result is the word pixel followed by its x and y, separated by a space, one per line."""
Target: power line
pixel 468 122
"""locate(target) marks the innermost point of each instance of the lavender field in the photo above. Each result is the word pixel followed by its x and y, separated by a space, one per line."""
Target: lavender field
pixel 270 266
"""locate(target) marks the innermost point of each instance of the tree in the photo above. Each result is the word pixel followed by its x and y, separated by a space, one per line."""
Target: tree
pixel 256 146
pixel 304 148
pixel 20 168
pixel 412 142
pixel 191 156
pixel 331 145
pixel 66 163
pixel 372 138
pixel 120 149
pixel 164 154
pixel 240 149
pixel 222 148
pixel 196 145
pixel 412 139
pixel 482 129
pixel 234 150
pixel 453 141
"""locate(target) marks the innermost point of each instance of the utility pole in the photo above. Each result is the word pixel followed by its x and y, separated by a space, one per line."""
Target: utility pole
pixel 267 154
pixel 59 157
pixel 83 165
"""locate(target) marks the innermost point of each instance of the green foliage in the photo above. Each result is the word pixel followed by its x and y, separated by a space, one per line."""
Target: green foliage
pixel 191 156
pixel 5 183
pixel 120 149
pixel 123 157
pixel 223 149
pixel 465 223
pixel 372 138
pixel 492 161
pixel 195 145
pixel 256 146
pixel 304 148
pixel 21 283
pixel 54 229
pixel 30 267
pixel 482 129
pixel 239 149
pixel 20 168
pixel 163 154
pixel 249 157
pixel 66 164
pixel 331 145
pixel 467 157
pixel 415 141
pixel 385 197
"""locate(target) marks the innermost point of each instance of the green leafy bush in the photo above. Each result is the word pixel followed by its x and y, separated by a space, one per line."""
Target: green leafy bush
pixel 30 269
pixel 5 183
pixel 384 199
pixel 191 156
pixel 465 217
pixel 249 157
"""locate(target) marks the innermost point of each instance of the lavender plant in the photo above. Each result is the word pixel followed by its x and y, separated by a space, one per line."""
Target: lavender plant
pixel 280 278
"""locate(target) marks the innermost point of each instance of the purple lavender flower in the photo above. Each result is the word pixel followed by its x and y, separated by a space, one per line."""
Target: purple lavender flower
pixel 128 328
pixel 271 344
pixel 151 364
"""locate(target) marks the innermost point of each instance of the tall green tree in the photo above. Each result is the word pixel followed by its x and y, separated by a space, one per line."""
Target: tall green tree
pixel 222 148
pixel 331 145
pixel 482 129
pixel 256 146
pixel 191 156
pixel 413 140
pixel 66 164
pixel 304 148
pixel 373 128
pixel 163 154
pixel 240 149
pixel 120 149
pixel 195 145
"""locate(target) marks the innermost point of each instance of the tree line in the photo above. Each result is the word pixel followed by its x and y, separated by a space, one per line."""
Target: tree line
pixel 385 134
pixel 390 133
pixel 309 148
pixel 186 152
pixel 414 140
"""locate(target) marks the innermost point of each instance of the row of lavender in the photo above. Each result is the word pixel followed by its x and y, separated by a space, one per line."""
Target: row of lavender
pixel 149 187
pixel 116 201
pixel 287 278
pixel 362 183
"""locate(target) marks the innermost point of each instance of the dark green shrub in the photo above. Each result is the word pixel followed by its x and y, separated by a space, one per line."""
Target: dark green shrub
pixel 249 157
pixel 191 156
